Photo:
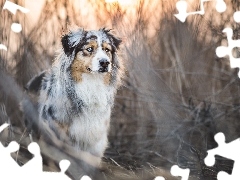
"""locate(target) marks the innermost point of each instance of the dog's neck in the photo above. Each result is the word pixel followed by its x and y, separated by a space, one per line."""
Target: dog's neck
pixel 93 90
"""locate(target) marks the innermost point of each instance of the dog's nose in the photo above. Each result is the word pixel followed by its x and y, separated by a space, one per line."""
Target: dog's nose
pixel 104 63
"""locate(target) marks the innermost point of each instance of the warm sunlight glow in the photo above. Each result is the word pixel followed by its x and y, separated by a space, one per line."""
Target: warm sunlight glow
pixel 122 2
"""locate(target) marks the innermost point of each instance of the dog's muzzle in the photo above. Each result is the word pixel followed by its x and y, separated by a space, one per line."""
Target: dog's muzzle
pixel 104 63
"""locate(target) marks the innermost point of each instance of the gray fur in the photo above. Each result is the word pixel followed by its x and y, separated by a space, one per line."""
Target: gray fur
pixel 80 109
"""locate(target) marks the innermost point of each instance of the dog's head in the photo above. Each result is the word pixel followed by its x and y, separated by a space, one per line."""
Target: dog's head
pixel 94 51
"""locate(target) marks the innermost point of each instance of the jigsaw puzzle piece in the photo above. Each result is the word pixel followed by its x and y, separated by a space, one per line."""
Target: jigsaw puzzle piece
pixel 34 164
pixel 221 6
pixel 5 155
pixel 176 171
pixel 181 6
pixel 64 165
pixel 159 178
pixel 236 16
pixel 32 169
pixel 182 11
pixel 220 150
pixel 3 47
pixel 228 150
pixel 3 126
pixel 210 159
pixel 222 51
pixel 9 165
pixel 12 7
pixel 223 176
pixel 85 178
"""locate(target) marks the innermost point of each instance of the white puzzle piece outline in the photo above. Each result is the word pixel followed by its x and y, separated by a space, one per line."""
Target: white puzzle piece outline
pixel 182 5
pixel 223 51
pixel 12 7
pixel 85 178
pixel 36 161
pixel 2 46
pixel 177 171
pixel 15 27
pixel 228 150
pixel 236 16
pixel 159 178
pixel 33 168
pixel 8 163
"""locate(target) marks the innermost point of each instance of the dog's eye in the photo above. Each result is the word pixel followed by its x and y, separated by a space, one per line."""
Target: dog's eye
pixel 90 49
pixel 107 50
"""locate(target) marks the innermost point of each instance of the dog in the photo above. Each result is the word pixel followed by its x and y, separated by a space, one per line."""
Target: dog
pixel 77 94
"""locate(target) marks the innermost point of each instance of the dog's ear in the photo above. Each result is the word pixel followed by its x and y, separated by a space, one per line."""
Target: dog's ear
pixel 34 85
pixel 68 49
pixel 71 40
pixel 115 40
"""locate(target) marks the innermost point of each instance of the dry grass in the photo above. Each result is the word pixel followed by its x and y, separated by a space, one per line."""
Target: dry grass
pixel 177 94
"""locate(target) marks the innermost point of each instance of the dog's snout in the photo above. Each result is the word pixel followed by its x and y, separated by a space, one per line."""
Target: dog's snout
pixel 104 63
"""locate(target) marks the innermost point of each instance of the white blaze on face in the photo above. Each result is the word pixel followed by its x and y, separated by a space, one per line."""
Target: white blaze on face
pixel 100 54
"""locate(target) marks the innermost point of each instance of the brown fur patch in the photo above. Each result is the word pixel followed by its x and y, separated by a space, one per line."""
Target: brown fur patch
pixel 82 61
pixel 84 58
pixel 79 66
pixel 106 46
pixel 92 44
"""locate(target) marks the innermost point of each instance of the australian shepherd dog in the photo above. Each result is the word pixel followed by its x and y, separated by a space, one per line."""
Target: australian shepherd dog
pixel 77 93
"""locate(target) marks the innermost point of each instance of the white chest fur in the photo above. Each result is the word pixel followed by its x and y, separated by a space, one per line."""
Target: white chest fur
pixel 91 126
pixel 93 91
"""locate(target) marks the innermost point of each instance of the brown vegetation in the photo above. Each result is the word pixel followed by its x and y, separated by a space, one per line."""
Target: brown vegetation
pixel 177 93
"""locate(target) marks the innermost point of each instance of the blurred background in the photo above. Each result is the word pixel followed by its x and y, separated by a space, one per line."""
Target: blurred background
pixel 177 94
